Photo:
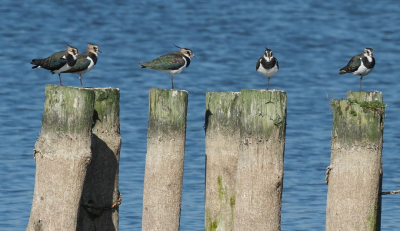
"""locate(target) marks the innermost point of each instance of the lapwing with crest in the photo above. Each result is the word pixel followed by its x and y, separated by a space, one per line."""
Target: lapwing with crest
pixel 58 62
pixel 361 64
pixel 267 65
pixel 172 63
pixel 85 62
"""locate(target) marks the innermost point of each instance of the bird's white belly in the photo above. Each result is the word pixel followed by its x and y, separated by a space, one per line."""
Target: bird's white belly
pixel 174 72
pixel 66 67
pixel 90 67
pixel 362 70
pixel 266 72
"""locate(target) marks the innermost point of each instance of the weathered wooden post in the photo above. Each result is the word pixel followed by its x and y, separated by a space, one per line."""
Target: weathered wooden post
pixel 166 136
pixel 62 153
pixel 259 177
pixel 100 196
pixel 222 148
pixel 355 173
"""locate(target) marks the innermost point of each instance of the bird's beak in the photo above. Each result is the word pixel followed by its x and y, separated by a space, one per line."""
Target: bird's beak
pixel 100 51
pixel 194 56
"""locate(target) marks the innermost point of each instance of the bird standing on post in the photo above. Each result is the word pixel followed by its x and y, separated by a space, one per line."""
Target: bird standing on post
pixel 172 63
pixel 361 64
pixel 85 62
pixel 267 65
pixel 58 62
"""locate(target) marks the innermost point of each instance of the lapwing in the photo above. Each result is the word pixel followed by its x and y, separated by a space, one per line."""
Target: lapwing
pixel 361 64
pixel 267 65
pixel 85 62
pixel 172 63
pixel 58 62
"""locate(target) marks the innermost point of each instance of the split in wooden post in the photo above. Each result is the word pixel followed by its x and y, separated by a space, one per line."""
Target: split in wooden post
pixel 100 196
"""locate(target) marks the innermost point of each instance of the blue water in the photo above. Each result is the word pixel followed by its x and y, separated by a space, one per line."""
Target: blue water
pixel 311 39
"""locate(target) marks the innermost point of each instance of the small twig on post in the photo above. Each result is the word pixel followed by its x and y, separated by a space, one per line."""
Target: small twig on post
pixel 113 206
pixel 331 101
pixel 328 169
pixel 390 192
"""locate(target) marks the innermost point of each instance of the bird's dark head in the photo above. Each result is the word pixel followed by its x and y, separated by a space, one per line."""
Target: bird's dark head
pixel 369 52
pixel 186 52
pixel 93 48
pixel 72 50
pixel 268 54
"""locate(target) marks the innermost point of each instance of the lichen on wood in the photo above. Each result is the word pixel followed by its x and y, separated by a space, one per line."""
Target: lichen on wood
pixel 167 111
pixel 222 147
pixel 355 176
pixel 166 135
pixel 263 112
pixel 62 154
pixel 260 160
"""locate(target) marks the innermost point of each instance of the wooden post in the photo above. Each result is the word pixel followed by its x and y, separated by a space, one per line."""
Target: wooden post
pixel 222 148
pixel 100 190
pixel 259 178
pixel 166 136
pixel 355 173
pixel 62 153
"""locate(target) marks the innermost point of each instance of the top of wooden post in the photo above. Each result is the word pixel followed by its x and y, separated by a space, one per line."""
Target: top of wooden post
pixel 359 118
pixel 106 108
pixel 263 111
pixel 167 110
pixel 67 109
pixel 365 96
pixel 224 110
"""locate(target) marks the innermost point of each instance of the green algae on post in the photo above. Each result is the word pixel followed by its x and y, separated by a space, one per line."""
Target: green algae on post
pixel 166 134
pixel 222 147
pixel 62 154
pixel 260 161
pixel 355 176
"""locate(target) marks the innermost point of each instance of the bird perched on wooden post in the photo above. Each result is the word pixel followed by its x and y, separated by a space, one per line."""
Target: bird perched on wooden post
pixel 267 65
pixel 172 63
pixel 58 62
pixel 361 64
pixel 85 61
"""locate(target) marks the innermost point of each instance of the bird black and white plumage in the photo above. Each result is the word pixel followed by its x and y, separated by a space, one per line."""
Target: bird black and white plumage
pixel 172 63
pixel 361 64
pixel 267 65
pixel 85 61
pixel 58 62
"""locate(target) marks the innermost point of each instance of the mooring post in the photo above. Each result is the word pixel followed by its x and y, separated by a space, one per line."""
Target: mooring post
pixel 354 177
pixel 222 148
pixel 100 196
pixel 62 153
pixel 163 178
pixel 259 177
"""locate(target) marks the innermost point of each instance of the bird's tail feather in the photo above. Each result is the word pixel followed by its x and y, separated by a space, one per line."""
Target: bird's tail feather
pixel 342 71
pixel 36 62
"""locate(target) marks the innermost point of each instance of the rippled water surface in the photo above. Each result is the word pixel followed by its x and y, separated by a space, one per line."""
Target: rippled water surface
pixel 311 39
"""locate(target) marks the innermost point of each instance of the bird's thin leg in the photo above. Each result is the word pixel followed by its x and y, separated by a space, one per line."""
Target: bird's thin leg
pixel 80 78
pixel 268 83
pixel 361 83
pixel 59 76
pixel 172 81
